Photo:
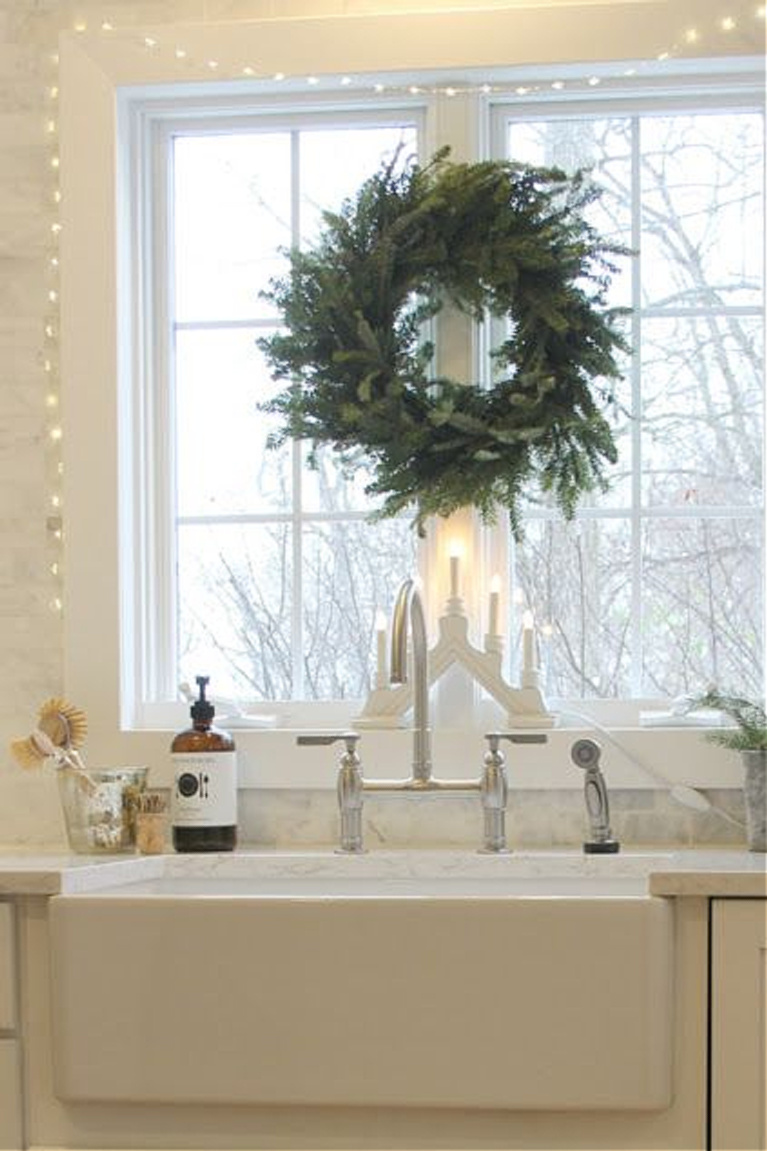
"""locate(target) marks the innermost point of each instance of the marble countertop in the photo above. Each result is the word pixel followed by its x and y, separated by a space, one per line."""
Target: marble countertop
pixel 698 872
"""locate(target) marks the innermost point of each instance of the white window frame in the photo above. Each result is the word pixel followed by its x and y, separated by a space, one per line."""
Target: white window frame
pixel 101 403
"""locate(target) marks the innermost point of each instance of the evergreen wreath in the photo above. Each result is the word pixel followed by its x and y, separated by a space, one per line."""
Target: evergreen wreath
pixel 491 238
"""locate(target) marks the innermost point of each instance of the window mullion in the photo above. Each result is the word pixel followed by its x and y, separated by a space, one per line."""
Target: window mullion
pixel 297 600
pixel 636 409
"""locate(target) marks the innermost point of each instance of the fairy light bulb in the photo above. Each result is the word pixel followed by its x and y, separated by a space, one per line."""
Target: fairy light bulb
pixel 180 53
pixel 727 24
pixel 56 434
pixel 692 35
pixel 150 42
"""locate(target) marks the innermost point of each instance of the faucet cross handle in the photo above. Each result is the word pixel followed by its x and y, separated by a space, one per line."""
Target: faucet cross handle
pixel 350 738
pixel 494 738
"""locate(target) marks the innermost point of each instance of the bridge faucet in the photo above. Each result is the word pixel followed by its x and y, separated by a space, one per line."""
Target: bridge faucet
pixel 491 784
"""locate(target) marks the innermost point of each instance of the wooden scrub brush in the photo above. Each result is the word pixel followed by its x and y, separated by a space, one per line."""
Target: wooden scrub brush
pixel 61 730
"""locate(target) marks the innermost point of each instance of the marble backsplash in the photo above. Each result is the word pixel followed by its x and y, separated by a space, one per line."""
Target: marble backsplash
pixel 536 819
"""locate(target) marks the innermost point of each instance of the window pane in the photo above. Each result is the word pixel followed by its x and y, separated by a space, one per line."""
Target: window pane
pixel 326 488
pixel 603 146
pixel 703 606
pixel 235 603
pixel 702 418
pixel 223 465
pixel 336 161
pixel 351 571
pixel 618 494
pixel 232 213
pixel 577 580
pixel 702 187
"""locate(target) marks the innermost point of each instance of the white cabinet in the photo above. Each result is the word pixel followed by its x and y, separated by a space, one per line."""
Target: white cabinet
pixel 739 1025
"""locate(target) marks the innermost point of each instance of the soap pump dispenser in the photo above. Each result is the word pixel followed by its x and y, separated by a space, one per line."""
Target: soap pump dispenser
pixel 204 794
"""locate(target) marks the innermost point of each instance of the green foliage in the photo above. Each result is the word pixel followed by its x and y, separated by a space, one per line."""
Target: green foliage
pixel 750 732
pixel 490 238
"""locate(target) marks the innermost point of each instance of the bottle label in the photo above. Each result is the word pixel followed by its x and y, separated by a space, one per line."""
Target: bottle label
pixel 204 789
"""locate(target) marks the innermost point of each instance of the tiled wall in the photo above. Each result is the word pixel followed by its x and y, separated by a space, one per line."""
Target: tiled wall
pixel 30 624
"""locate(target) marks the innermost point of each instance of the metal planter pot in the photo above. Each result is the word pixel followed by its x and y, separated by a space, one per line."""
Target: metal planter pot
pixel 755 793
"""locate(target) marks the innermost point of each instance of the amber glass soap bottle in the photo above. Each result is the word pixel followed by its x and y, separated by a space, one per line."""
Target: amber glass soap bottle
pixel 204 794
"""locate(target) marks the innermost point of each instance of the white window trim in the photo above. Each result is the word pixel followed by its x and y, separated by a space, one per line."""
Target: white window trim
pixel 99 515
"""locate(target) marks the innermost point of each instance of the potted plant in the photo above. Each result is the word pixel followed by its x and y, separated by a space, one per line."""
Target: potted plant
pixel 747 735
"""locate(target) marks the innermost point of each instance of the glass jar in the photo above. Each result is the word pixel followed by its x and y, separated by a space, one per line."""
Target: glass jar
pixel 100 808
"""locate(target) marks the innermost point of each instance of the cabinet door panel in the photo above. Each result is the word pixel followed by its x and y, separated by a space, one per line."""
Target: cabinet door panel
pixel 7 977
pixel 10 1098
pixel 739 1025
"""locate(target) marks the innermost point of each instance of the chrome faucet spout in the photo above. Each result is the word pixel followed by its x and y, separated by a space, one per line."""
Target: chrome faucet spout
pixel 409 615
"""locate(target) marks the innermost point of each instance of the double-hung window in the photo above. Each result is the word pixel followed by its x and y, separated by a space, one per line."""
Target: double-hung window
pixel 658 587
pixel 267 573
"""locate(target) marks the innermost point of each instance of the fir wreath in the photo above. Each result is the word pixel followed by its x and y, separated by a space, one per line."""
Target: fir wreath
pixel 491 238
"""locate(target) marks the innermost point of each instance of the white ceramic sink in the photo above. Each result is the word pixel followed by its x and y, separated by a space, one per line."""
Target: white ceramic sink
pixel 529 981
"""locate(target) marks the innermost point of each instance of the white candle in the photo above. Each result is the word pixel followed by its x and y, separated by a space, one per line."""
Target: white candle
pixel 529 657
pixel 455 570
pixel 382 670
pixel 494 610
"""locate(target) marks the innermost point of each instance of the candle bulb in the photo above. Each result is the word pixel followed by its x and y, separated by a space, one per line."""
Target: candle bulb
pixel 529 659
pixel 382 670
pixel 494 606
pixel 455 570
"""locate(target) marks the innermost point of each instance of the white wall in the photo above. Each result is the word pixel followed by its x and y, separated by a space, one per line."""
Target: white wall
pixel 30 624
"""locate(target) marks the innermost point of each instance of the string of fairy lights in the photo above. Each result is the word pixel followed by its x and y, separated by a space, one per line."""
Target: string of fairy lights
pixel 744 24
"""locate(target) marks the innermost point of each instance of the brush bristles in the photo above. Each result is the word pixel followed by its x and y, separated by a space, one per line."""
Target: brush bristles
pixel 26 753
pixel 64 724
